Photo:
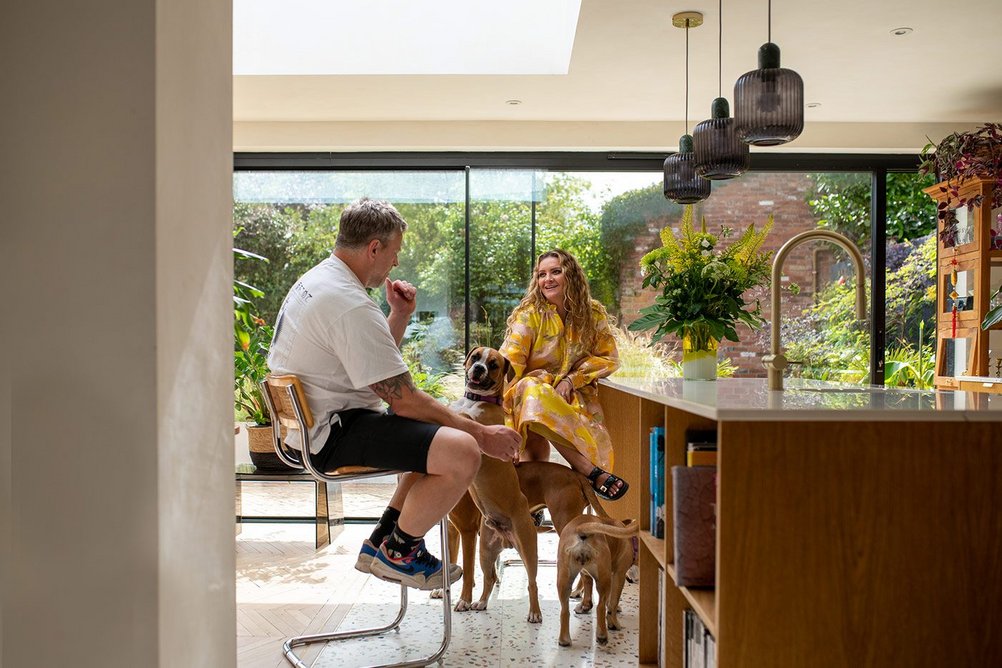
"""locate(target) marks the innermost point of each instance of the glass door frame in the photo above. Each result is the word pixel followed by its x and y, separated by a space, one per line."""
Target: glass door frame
pixel 877 165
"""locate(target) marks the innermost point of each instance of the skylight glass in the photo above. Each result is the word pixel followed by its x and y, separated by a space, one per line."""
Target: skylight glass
pixel 404 37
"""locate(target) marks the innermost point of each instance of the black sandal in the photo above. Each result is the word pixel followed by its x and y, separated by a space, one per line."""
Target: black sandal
pixel 610 483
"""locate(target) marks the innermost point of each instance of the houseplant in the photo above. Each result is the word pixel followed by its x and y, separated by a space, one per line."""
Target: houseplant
pixel 251 338
pixel 702 288
pixel 955 159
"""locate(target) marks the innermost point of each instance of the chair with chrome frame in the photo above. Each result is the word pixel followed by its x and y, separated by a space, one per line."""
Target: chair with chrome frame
pixel 287 405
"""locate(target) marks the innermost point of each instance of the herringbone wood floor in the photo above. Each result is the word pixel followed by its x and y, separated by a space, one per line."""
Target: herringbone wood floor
pixel 284 586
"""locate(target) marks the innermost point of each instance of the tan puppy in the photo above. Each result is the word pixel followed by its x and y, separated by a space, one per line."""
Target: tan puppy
pixel 601 547
pixel 495 489
pixel 566 494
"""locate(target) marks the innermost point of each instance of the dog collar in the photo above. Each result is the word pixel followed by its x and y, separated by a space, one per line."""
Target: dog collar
pixel 480 397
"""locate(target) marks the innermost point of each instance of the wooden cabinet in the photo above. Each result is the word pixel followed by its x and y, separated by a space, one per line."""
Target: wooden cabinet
pixel 969 265
pixel 839 542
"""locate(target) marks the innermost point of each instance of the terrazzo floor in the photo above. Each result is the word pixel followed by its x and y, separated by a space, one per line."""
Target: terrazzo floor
pixel 285 587
pixel 498 636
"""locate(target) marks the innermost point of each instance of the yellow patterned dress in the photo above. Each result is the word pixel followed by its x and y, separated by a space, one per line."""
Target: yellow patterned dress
pixel 542 353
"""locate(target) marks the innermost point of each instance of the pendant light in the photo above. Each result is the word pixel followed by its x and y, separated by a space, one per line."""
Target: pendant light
pixel 719 152
pixel 682 184
pixel 769 101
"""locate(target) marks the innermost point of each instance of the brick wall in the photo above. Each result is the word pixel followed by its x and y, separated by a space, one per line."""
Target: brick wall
pixel 737 203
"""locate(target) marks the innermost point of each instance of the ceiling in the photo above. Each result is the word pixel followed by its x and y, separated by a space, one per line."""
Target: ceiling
pixel 625 86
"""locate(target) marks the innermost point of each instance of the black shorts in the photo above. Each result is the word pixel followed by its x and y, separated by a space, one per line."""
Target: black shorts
pixel 379 440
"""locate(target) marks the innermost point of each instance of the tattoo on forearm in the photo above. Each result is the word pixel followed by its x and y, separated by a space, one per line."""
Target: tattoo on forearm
pixel 392 389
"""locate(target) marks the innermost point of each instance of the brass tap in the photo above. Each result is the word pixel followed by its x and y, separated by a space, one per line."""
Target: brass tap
pixel 775 362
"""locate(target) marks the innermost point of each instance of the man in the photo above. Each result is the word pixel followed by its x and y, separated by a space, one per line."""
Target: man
pixel 346 354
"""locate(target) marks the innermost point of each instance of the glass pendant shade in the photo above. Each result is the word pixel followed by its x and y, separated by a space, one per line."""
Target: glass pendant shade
pixel 682 184
pixel 719 154
pixel 768 102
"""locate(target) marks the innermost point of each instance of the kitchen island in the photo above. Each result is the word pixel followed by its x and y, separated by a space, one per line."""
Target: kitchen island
pixel 855 526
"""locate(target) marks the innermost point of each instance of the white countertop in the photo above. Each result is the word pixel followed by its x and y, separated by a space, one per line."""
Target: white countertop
pixel 750 399
pixel 987 380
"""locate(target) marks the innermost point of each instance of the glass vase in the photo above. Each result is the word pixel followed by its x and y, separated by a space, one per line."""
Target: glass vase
pixel 699 354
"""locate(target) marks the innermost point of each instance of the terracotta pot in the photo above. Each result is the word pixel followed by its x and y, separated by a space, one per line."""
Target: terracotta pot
pixel 262 449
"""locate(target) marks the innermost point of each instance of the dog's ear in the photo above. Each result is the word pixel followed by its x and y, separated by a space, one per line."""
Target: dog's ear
pixel 509 370
pixel 469 356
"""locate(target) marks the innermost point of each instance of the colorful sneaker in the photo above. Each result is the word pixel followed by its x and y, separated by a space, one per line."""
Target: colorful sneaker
pixel 419 569
pixel 365 556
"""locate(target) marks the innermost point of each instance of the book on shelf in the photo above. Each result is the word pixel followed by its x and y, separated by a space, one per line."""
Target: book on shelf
pixel 687 623
pixel 701 448
pixel 694 497
pixel 657 480
pixel 699 649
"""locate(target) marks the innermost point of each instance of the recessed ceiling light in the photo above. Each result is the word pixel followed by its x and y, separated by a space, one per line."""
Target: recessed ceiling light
pixel 513 103
pixel 899 32
pixel 813 105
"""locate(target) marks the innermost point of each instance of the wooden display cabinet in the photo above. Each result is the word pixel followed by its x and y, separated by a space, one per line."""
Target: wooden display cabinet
pixel 966 252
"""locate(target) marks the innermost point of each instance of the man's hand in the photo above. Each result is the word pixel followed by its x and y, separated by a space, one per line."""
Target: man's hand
pixel 500 442
pixel 401 296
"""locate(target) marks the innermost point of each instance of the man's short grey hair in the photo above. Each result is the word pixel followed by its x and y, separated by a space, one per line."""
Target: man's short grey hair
pixel 367 219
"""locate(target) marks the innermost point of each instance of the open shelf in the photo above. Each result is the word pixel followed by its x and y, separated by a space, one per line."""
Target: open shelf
pixel 703 601
pixel 656 546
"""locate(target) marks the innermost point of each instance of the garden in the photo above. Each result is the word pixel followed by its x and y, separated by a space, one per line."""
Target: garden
pixel 278 241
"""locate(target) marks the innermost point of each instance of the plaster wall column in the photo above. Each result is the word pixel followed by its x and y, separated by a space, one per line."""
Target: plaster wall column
pixel 115 178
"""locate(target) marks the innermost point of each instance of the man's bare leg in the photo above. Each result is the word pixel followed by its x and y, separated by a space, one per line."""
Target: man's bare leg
pixel 453 460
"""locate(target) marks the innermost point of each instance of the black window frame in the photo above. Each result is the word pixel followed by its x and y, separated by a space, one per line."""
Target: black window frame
pixel 877 165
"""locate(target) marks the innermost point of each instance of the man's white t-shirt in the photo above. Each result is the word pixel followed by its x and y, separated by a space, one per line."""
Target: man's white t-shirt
pixel 336 340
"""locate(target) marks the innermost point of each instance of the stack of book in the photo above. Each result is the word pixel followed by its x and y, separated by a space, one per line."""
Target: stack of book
pixel 657 480
pixel 699 646
pixel 694 498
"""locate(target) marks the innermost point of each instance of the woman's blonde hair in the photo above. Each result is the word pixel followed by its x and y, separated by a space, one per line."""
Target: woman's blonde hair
pixel 577 297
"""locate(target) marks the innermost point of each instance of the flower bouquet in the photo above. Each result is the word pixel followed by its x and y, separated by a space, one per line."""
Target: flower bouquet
pixel 702 288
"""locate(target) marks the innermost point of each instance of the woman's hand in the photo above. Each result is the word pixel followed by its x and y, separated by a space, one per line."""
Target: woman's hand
pixel 565 388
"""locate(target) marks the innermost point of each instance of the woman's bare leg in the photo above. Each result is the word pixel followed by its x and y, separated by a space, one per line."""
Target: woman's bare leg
pixel 537 449
pixel 582 464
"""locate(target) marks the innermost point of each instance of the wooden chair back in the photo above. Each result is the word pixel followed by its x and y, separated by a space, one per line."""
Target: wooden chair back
pixel 277 388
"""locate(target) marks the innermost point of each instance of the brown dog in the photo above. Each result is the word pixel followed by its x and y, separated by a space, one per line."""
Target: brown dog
pixel 601 547
pixel 564 491
pixel 566 494
pixel 495 489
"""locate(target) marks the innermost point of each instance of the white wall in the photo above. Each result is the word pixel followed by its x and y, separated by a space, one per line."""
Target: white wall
pixel 115 163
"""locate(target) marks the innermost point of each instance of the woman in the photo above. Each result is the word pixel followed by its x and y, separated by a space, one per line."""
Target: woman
pixel 559 344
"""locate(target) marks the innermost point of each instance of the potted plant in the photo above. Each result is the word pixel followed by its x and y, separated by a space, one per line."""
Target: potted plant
pixel 252 336
pixel 702 290
pixel 994 316
pixel 955 159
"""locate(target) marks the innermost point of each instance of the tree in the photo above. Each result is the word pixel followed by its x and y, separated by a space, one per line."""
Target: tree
pixel 292 237
pixel 842 203
pixel 623 218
